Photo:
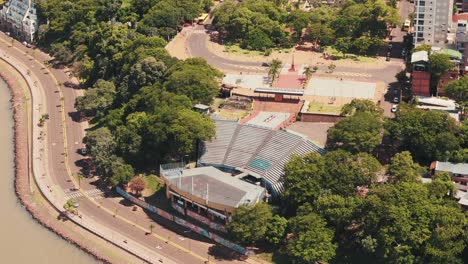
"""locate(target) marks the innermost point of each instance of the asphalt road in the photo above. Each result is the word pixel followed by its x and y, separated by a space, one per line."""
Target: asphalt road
pixel 182 249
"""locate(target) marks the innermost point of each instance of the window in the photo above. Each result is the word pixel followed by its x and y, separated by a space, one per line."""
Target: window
pixel 420 15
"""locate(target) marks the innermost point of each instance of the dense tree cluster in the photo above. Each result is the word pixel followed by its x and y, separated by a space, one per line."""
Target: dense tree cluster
pixel 139 97
pixel 356 27
pixel 428 135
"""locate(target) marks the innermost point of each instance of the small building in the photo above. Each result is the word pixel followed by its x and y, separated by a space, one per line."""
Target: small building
pixel 208 190
pixel 19 17
pixel 420 78
pixel 201 108
pixel 458 172
pixel 438 104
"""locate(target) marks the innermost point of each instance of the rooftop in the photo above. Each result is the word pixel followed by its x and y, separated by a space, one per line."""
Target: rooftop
pixel 341 88
pixel 216 186
pixel 455 168
pixel 247 81
pixel 437 101
pixel 419 56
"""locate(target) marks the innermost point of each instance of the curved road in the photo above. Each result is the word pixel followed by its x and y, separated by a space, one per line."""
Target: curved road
pixel 173 246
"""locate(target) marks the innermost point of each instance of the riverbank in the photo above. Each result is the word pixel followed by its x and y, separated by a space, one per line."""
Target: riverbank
pixel 25 188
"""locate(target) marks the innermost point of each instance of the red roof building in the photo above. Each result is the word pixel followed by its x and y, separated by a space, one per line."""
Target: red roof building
pixel 420 83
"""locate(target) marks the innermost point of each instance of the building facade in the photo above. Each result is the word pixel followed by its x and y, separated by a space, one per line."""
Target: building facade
pixel 19 17
pixel 433 19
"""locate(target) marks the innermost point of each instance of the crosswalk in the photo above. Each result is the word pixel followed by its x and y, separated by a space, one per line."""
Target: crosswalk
pixel 95 194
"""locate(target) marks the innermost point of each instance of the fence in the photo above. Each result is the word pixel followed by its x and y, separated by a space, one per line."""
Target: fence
pixel 200 218
pixel 185 223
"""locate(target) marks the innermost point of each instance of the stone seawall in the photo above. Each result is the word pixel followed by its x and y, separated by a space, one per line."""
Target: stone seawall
pixel 24 182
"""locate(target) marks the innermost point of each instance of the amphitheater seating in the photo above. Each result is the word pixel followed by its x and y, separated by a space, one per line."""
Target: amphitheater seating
pixel 215 150
pixel 257 149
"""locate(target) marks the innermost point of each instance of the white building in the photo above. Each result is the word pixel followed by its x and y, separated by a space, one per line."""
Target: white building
pixel 432 22
pixel 19 17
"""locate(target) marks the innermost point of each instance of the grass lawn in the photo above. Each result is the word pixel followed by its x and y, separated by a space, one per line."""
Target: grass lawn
pixel 317 107
pixel 341 56
pixel 236 49
pixel 152 185
pixel 232 114
pixel 269 257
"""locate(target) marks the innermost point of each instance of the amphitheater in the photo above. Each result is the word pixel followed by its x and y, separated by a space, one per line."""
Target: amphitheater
pixel 256 149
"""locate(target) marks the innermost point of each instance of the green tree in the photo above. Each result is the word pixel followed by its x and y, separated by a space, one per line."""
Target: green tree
pixel 194 78
pixel 320 33
pixel 361 105
pixel 424 47
pixel 311 240
pixel 358 133
pixel 276 230
pixel 302 179
pixel 308 72
pixel 101 146
pixel 96 99
pixel 337 210
pixel 345 171
pixel 121 173
pixel 249 223
pixel 403 169
pixel 416 130
pixel 442 186
pixel 274 69
pixel 458 90
pixel 439 64
pixel 257 40
pixel 409 226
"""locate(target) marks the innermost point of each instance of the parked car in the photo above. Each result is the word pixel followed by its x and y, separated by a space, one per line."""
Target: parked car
pixel 396 99
pixel 76 204
pixel 394 108
pixel 83 151
pixel 266 64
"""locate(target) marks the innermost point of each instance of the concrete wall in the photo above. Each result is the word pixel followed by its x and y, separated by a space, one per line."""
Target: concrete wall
pixel 314 117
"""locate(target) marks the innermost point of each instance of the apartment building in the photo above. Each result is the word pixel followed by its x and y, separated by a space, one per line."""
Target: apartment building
pixel 19 17
pixel 432 22
pixel 462 6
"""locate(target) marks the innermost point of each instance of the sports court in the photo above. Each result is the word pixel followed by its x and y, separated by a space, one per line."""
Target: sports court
pixel 341 88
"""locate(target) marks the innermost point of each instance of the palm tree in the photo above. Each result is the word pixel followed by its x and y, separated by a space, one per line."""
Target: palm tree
pixel 79 176
pixel 275 68
pixel 308 71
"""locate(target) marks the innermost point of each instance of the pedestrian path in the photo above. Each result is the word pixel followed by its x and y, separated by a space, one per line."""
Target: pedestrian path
pixel 95 194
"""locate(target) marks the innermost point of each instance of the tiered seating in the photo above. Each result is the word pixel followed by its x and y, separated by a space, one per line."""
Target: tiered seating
pixel 275 174
pixel 281 144
pixel 246 144
pixel 215 150
pixel 257 149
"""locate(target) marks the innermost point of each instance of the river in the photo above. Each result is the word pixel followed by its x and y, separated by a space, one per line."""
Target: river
pixel 22 240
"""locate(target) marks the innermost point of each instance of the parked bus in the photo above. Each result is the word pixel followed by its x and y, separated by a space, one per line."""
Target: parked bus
pixel 202 19
pixel 407 25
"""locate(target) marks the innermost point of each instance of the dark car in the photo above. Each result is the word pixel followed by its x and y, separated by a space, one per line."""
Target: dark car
pixel 83 151
pixel 266 64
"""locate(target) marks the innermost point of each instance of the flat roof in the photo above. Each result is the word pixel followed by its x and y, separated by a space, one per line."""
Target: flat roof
pixel 436 101
pixel 216 186
pixel 201 106
pixel 248 81
pixel 279 91
pixel 419 56
pixel 268 119
pixel 341 88
pixel 456 168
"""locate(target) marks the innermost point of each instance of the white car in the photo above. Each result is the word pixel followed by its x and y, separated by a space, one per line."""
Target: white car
pixel 394 108
pixel 396 99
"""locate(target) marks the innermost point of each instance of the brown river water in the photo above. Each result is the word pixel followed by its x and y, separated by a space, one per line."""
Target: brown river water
pixel 22 240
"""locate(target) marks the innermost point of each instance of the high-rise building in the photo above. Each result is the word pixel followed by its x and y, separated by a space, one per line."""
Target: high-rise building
pixel 433 19
pixel 19 17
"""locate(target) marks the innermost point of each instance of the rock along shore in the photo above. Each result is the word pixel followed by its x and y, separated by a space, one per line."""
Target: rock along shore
pixel 24 182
